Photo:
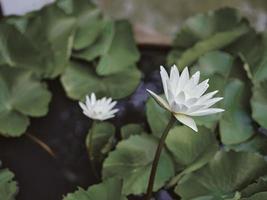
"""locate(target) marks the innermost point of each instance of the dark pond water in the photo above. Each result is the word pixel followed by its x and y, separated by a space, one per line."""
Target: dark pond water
pixel 42 177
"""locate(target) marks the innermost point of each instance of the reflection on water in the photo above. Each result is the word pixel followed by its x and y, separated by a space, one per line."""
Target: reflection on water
pixel 166 16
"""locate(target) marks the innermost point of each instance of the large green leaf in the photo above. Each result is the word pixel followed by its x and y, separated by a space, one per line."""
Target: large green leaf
pixel 225 174
pixel 122 52
pixel 8 187
pixel 157 117
pixel 102 138
pixel 258 196
pixel 235 124
pixel 100 45
pixel 204 25
pixel 51 32
pixel 259 103
pixel 132 162
pixel 21 95
pixel 259 185
pixel 110 189
pixel 79 80
pixel 131 129
pixel 16 49
pixel 89 21
pixel 189 149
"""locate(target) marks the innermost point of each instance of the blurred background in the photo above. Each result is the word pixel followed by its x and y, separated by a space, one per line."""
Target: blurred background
pixel 155 21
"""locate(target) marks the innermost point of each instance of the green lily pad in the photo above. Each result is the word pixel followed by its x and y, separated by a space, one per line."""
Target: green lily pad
pixel 22 95
pixel 132 162
pixel 122 52
pixel 157 117
pixel 190 150
pixel 100 45
pixel 204 25
pixel 131 129
pixel 110 189
pixel 258 196
pixel 235 124
pixel 52 33
pixel 80 79
pixel 8 187
pixel 258 186
pixel 102 139
pixel 222 176
pixel 259 103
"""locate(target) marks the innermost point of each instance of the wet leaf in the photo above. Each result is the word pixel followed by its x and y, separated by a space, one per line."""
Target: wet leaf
pixel 79 80
pixel 235 124
pixel 8 187
pixel 108 190
pixel 222 176
pixel 132 160
pixel 22 95
pixel 131 129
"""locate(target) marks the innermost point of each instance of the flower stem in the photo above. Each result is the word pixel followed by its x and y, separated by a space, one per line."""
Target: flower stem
pixel 90 151
pixel 157 157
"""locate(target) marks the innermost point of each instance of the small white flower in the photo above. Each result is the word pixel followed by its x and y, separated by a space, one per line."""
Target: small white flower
pixel 101 109
pixel 185 96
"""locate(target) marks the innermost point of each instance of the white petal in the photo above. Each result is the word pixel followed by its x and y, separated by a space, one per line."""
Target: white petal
pixel 206 97
pixel 159 100
pixel 196 77
pixel 165 80
pixel 180 98
pixel 188 121
pixel 183 78
pixel 191 101
pixel 201 88
pixel 83 106
pixel 206 112
pixel 93 98
pixel 212 101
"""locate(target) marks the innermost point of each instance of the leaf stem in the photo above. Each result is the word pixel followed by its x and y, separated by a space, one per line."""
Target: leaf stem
pixel 90 151
pixel 157 157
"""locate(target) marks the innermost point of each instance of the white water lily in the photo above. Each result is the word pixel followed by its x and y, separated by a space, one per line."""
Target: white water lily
pixel 185 96
pixel 101 109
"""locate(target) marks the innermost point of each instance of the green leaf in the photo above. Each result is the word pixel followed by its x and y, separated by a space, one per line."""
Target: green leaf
pixel 215 42
pixel 100 45
pixel 102 138
pixel 8 187
pixel 258 196
pixel 132 162
pixel 259 103
pixel 203 26
pixel 16 49
pixel 225 174
pixel 122 52
pixel 79 80
pixel 235 124
pixel 258 186
pixel 21 95
pixel 157 117
pixel 131 129
pixel 190 150
pixel 52 33
pixel 108 190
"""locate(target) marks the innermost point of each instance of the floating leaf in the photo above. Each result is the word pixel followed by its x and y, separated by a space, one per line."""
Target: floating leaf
pixel 223 175
pixel 51 32
pixel 258 196
pixel 122 52
pixel 108 190
pixel 79 80
pixel 131 129
pixel 190 150
pixel 102 134
pixel 100 45
pixel 21 95
pixel 235 124
pixel 8 187
pixel 204 25
pixel 132 162
pixel 258 186
pixel 157 117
